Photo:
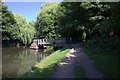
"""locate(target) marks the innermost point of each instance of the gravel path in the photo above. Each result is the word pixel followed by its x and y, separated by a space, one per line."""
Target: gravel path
pixel 66 67
pixel 85 62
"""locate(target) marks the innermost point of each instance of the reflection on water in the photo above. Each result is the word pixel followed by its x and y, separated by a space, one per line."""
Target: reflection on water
pixel 17 61
pixel 38 56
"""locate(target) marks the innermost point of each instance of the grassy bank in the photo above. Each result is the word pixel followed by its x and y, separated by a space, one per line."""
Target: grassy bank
pixel 46 67
pixel 107 64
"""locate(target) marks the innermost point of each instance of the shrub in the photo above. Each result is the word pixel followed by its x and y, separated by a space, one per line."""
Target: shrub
pixel 104 44
pixel 49 48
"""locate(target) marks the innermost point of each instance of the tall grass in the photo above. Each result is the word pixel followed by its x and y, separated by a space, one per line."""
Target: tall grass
pixel 104 44
pixel 107 64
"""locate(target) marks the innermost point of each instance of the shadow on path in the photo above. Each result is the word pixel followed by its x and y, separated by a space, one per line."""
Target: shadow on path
pixel 85 62
pixel 66 67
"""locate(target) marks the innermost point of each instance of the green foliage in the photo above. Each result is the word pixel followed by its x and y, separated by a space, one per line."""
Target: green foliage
pixel 20 24
pixel 77 18
pixel 31 31
pixel 71 23
pixel 26 32
pixel 111 24
pixel 8 24
pixel 105 33
pixel 84 36
pixel 15 27
pixel 103 44
pixel 49 48
pixel 46 20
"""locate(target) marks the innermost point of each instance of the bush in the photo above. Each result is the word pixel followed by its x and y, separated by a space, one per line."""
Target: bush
pixel 103 44
pixel 49 49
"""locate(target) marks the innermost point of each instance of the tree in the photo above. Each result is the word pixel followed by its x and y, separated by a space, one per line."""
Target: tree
pixel 15 27
pixel 72 19
pixel 31 31
pixel 8 24
pixel 111 25
pixel 21 24
pixel 25 31
pixel 46 20
pixel 80 18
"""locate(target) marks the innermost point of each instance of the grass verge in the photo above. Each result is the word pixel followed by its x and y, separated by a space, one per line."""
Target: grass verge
pixel 107 64
pixel 79 71
pixel 46 67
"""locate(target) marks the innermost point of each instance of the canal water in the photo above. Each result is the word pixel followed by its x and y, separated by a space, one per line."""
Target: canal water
pixel 17 60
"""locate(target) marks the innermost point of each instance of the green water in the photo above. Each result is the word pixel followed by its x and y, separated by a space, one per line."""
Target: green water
pixel 16 61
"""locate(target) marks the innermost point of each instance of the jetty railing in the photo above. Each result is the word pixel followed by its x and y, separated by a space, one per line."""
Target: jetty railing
pixel 50 41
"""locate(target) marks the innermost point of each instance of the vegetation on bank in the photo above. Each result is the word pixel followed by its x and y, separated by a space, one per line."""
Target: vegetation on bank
pixel 49 49
pixel 104 54
pixel 46 66
pixel 15 27
pixel 107 64
pixel 79 71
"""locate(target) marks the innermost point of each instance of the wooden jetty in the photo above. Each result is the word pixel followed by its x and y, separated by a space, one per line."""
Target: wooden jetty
pixel 50 42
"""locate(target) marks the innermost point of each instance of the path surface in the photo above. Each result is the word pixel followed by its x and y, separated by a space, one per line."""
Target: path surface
pixel 66 67
pixel 85 62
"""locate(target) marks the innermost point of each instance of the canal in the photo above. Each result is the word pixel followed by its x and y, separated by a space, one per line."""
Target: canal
pixel 17 60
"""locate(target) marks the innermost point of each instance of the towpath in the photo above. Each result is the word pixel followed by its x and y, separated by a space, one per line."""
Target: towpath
pixel 66 67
